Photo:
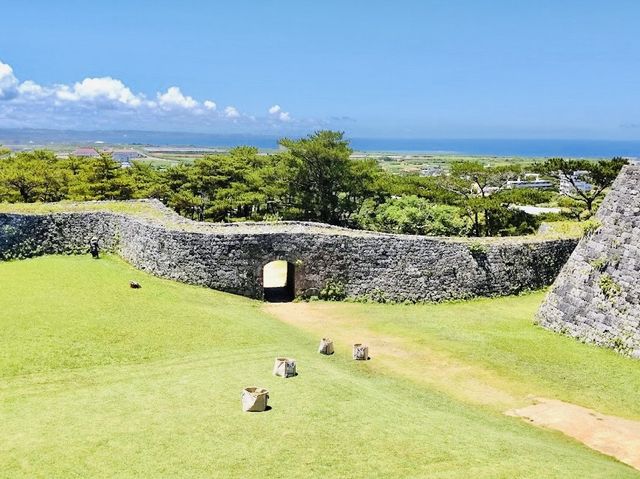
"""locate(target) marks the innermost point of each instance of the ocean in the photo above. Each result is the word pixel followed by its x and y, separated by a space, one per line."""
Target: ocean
pixel 484 147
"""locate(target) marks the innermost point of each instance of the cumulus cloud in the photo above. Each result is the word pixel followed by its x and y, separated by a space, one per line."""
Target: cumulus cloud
pixel 99 89
pixel 32 89
pixel 107 102
pixel 276 112
pixel 8 82
pixel 173 97
pixel 231 112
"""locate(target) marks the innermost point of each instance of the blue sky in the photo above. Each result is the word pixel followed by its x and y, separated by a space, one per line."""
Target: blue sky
pixel 415 69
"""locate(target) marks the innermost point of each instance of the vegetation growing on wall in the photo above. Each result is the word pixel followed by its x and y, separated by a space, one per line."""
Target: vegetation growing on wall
pixel 608 286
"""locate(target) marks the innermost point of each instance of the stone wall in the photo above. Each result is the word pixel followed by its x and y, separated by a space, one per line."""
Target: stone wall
pixel 596 297
pixel 231 257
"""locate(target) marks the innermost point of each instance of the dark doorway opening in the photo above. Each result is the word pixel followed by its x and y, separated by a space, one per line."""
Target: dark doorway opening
pixel 278 280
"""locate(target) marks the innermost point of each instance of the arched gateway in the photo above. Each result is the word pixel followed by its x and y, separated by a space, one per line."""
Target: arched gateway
pixel 278 281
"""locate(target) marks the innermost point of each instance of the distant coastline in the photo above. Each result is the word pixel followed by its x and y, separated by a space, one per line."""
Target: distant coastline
pixel 480 147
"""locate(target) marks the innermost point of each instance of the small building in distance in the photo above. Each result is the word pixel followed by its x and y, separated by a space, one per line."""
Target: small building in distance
pixel 530 180
pixel 125 156
pixel 85 152
pixel 432 170
pixel 577 177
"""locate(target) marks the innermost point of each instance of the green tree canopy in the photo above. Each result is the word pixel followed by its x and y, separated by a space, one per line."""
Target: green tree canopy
pixel 320 171
pixel 414 215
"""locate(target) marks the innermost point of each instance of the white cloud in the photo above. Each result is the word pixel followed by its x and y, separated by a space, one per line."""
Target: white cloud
pixel 173 97
pixel 231 112
pixel 107 102
pixel 284 116
pixel 8 82
pixel 99 89
pixel 276 112
pixel 32 89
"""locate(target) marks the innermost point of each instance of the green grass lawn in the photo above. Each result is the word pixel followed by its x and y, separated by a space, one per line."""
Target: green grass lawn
pixel 99 380
pixel 498 337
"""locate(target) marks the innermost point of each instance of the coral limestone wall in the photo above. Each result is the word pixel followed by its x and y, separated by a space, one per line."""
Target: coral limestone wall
pixel 231 257
pixel 596 297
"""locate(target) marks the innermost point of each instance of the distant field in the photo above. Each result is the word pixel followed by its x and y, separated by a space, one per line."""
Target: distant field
pixel 399 163
pixel 99 380
pixel 414 163
pixel 393 162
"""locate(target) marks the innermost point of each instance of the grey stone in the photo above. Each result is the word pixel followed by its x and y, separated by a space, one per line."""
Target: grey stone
pixel 577 302
pixel 230 257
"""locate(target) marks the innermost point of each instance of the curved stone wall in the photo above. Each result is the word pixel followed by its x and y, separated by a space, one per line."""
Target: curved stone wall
pixel 230 257
pixel 596 297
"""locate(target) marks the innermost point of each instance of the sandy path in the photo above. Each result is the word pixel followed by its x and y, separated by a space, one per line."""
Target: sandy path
pixel 470 383
pixel 610 435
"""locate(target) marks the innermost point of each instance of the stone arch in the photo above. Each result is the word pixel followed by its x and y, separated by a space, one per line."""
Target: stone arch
pixel 278 281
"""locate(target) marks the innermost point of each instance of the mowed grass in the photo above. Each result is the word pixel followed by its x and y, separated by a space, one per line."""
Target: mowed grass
pixel 498 336
pixel 99 380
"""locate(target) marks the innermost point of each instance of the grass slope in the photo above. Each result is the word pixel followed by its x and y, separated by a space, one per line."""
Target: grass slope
pixel 498 336
pixel 98 380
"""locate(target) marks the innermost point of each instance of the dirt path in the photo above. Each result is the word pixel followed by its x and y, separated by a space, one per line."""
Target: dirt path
pixel 470 383
pixel 610 435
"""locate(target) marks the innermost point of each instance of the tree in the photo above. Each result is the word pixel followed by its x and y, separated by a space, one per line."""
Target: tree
pixel 320 170
pixel 413 215
pixel 33 176
pixel 19 180
pixel 364 180
pixel 600 174
pixel 106 179
pixel 477 186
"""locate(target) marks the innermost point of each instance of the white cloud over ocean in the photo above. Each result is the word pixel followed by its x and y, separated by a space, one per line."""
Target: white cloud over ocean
pixel 107 102
pixel 8 82
pixel 276 112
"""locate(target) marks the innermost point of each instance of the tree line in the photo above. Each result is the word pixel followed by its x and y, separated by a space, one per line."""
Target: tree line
pixel 311 179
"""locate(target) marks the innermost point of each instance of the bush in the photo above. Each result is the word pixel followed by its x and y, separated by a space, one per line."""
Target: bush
pixel 599 264
pixel 585 215
pixel 590 226
pixel 608 286
pixel 476 248
pixel 333 291
pixel 413 215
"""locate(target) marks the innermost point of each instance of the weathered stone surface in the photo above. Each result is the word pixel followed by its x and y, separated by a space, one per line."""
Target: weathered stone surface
pixel 255 399
pixel 231 257
pixel 596 297
pixel 326 346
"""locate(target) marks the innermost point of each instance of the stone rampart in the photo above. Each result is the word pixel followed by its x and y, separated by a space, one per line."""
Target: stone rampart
pixel 596 297
pixel 230 257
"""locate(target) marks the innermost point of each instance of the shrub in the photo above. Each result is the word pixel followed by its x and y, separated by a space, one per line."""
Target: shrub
pixel 377 296
pixel 333 291
pixel 413 215
pixel 585 215
pixel 608 286
pixel 599 264
pixel 590 226
pixel 477 248
pixel 272 218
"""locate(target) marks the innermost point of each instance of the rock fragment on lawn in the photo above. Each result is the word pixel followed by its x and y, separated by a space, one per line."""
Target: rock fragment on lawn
pixel 360 352
pixel 284 367
pixel 254 399
pixel 326 346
